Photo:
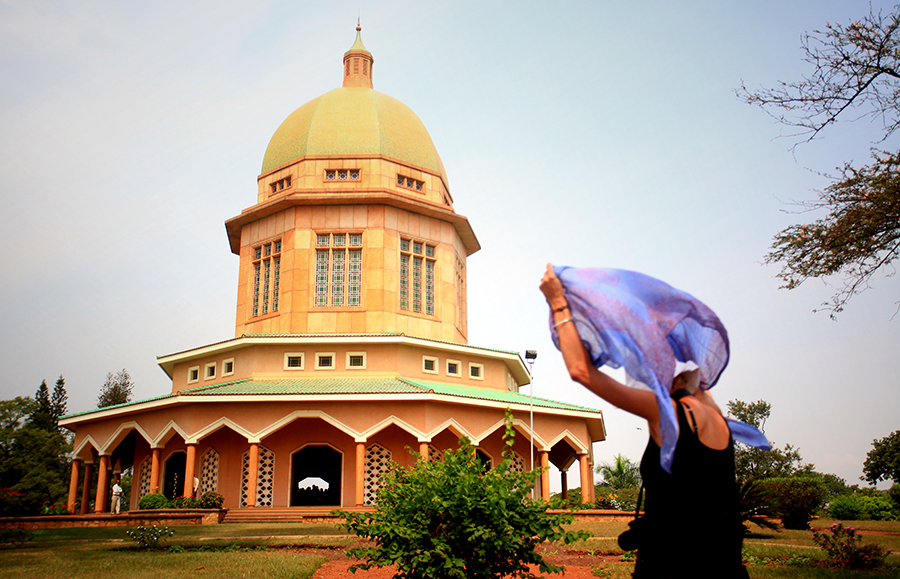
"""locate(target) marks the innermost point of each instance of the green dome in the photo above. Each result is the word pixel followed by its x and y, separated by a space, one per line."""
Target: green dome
pixel 351 121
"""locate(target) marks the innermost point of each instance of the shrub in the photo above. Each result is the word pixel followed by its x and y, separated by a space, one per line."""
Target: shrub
pixel 211 500
pixel 185 503
pixel 153 501
pixel 894 494
pixel 795 499
pixel 450 518
pixel 57 509
pixel 845 548
pixel 754 505
pixel 847 508
pixel 149 537
pixel 878 508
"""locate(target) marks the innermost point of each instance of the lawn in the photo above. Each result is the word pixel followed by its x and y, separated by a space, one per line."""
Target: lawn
pixel 263 551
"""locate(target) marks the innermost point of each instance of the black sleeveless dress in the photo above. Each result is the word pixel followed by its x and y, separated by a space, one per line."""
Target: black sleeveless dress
pixel 694 527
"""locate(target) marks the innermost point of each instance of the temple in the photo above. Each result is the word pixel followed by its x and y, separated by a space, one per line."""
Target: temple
pixel 350 343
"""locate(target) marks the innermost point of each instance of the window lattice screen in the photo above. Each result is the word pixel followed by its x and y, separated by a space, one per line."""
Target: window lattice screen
pixel 264 478
pixel 378 461
pixel 144 481
pixel 209 472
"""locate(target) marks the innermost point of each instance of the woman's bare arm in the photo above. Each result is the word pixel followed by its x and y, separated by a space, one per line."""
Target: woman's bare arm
pixel 639 402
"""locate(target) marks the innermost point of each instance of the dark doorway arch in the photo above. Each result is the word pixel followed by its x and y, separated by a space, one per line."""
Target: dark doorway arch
pixel 316 477
pixel 484 459
pixel 172 483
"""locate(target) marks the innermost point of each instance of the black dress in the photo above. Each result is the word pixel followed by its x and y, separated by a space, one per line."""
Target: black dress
pixel 694 527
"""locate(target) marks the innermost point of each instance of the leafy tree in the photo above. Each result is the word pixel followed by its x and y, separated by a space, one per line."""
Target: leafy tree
pixel 450 518
pixel 883 461
pixel 41 416
pixel 856 73
pixel 59 401
pixel 754 463
pixel 34 465
pixel 795 499
pixel 116 390
pixel 621 473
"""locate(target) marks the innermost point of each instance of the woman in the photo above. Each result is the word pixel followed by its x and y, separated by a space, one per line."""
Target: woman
pixel 693 524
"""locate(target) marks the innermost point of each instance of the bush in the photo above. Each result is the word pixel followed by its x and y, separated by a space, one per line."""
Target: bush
pixel 795 499
pixel 894 494
pixel 56 509
pixel 211 500
pixel 878 508
pixel 450 518
pixel 153 501
pixel 149 537
pixel 184 503
pixel 845 548
pixel 847 508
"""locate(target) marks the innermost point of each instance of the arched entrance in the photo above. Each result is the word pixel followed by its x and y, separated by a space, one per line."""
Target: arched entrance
pixel 174 474
pixel 316 477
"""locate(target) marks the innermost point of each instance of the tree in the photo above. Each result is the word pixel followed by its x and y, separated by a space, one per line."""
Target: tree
pixel 42 413
pixel 883 461
pixel 856 73
pixel 754 463
pixel 621 473
pixel 450 518
pixel 116 390
pixel 59 401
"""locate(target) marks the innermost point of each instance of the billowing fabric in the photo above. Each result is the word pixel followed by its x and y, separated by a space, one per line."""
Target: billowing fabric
pixel 633 321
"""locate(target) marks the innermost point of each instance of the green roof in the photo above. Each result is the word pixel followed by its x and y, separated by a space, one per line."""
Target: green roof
pixel 352 386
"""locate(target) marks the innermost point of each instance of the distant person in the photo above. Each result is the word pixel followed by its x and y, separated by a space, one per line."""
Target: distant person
pixel 116 497
pixel 673 348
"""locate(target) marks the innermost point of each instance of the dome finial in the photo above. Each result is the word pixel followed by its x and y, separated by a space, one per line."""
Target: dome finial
pixel 358 62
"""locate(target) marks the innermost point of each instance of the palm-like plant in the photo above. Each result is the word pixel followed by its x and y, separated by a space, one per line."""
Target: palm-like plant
pixel 621 473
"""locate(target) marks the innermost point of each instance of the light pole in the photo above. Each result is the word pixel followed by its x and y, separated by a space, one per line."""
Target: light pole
pixel 530 356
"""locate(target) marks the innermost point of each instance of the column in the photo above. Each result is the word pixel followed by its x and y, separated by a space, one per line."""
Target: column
pixel 86 489
pixel 587 481
pixel 253 477
pixel 102 483
pixel 563 480
pixel 154 470
pixel 545 475
pixel 423 451
pixel 73 486
pixel 360 474
pixel 187 486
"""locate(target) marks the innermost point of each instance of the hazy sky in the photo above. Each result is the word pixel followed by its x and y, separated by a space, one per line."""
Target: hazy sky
pixel 583 133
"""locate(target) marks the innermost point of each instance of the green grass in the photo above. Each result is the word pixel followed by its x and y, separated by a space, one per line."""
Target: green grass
pixel 234 551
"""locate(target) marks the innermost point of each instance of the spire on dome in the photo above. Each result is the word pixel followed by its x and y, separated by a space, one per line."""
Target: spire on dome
pixel 358 63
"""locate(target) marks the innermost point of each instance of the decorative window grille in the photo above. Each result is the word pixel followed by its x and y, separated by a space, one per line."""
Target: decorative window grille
pixel 280 185
pixel 342 174
pixel 434 455
pixel 518 463
pixel 338 269
pixel 417 282
pixel 410 183
pixel 209 472
pixel 264 478
pixel 144 488
pixel 378 460
pixel 266 277
pixel 460 295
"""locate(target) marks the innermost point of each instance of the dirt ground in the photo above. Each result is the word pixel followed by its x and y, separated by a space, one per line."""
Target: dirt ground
pixel 578 564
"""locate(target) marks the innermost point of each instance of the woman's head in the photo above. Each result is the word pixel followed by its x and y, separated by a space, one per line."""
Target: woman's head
pixel 687 377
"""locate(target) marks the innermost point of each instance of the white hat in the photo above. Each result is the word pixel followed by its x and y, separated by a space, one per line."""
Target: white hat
pixel 682 367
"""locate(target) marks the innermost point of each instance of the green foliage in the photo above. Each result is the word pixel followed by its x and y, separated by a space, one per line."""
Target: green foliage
pixel 845 548
pixel 847 508
pixel 894 495
pixel 754 505
pixel 211 500
pixel 34 463
pixel 149 537
pixel 153 501
pixel 621 473
pixel 879 508
pixel 184 502
pixel 883 461
pixel 756 464
pixel 451 519
pixel 116 390
pixel 795 499
pixel 616 499
pixel 855 67
pixel 59 401
pixel 41 416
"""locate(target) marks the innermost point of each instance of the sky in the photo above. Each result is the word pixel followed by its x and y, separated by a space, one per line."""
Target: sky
pixel 589 134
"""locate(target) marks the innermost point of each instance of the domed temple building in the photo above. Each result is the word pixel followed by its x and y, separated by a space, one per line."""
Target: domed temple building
pixel 350 339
